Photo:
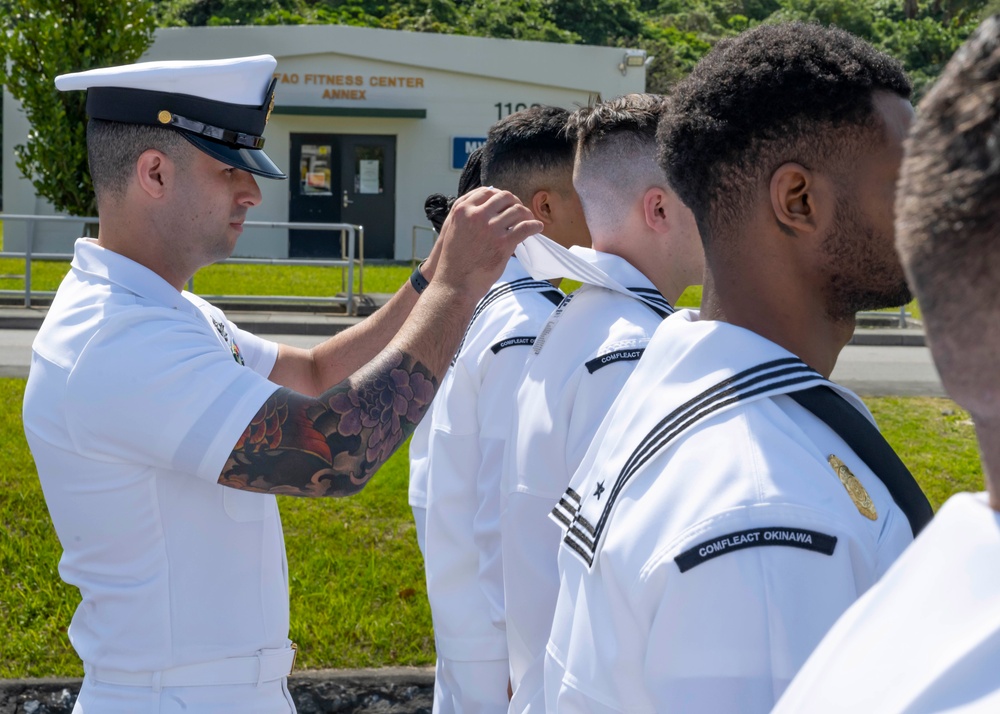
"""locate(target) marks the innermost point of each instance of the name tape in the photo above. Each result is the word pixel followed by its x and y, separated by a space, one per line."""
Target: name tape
pixel 612 357
pixel 753 538
pixel 513 342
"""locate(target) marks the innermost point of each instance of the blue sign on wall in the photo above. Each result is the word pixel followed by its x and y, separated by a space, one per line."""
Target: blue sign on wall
pixel 461 147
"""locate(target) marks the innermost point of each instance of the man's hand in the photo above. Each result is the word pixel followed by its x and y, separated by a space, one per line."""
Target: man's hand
pixel 331 444
pixel 478 237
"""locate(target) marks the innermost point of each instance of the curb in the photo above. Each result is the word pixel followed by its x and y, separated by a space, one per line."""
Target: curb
pixel 393 690
pixel 888 337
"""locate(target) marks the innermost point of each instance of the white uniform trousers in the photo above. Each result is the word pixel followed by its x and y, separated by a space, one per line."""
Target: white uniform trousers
pixel 268 698
pixel 471 687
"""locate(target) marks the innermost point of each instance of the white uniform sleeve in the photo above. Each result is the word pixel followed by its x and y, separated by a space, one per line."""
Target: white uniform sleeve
pixel 496 406
pixel 259 354
pixel 162 391
pixel 728 633
pixel 598 387
pixel 530 538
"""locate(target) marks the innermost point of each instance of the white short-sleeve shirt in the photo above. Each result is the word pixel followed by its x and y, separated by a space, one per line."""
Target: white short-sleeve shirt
pixel 926 638
pixel 137 395
pixel 586 351
pixel 709 542
pixel 466 432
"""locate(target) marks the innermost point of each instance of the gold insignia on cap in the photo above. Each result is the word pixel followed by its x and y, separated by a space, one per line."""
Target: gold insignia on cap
pixel 164 116
pixel 270 109
pixel 854 488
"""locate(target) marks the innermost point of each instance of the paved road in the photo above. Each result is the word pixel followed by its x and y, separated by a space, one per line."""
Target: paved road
pixel 888 371
pixel 870 371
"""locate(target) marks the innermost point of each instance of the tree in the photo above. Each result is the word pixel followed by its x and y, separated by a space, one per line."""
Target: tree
pixel 677 33
pixel 855 16
pixel 45 38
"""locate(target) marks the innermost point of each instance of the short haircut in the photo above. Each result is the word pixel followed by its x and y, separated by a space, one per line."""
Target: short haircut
pixel 616 158
pixel 527 150
pixel 776 93
pixel 948 198
pixel 114 147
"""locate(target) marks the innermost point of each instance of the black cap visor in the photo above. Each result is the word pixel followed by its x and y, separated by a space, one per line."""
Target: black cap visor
pixel 253 160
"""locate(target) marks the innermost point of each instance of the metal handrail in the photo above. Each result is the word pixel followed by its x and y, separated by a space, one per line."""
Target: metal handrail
pixel 413 243
pixel 348 232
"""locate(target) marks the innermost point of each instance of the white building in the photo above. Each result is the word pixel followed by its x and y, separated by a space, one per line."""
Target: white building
pixel 366 124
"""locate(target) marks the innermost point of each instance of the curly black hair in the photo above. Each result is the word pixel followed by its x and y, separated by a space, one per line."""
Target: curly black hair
pixel 438 206
pixel 526 144
pixel 776 93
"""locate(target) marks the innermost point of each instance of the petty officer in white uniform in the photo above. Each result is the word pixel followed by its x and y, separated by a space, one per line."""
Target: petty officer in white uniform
pixel 436 208
pixel 529 153
pixel 734 503
pixel 926 638
pixel 646 251
pixel 161 430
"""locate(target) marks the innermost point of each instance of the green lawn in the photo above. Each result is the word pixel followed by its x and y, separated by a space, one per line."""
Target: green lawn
pixel 357 589
pixel 234 279
pixel 283 280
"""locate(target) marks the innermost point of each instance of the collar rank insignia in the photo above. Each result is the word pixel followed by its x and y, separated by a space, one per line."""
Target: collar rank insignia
pixel 854 488
pixel 599 490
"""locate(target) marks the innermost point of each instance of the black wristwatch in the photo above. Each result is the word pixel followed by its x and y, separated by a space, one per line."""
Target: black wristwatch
pixel 417 279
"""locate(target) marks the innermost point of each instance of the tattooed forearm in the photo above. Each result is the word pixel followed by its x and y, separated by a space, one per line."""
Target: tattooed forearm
pixel 331 445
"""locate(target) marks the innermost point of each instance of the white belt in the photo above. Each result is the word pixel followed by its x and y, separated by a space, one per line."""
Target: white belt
pixel 265 666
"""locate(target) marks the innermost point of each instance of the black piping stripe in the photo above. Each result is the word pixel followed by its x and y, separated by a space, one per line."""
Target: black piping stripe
pixel 564 510
pixel 502 290
pixel 587 541
pixel 748 380
pixel 651 295
pixel 564 505
pixel 567 506
pixel 588 558
pixel 589 535
pixel 498 293
pixel 563 518
pixel 722 388
pixel 713 407
pixel 664 438
pixel 553 296
pixel 692 411
pixel 653 300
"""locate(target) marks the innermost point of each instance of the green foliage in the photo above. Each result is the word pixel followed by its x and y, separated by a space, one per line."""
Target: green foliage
pixel 42 39
pixel 197 13
pixel 524 20
pixel 923 45
pixel 921 33
pixel 597 23
pixel 851 15
pixel 675 52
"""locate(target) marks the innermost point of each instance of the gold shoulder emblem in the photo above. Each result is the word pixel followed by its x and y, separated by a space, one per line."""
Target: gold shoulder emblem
pixel 854 488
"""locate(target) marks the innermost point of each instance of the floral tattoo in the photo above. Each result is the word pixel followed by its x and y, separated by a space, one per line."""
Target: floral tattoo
pixel 332 445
